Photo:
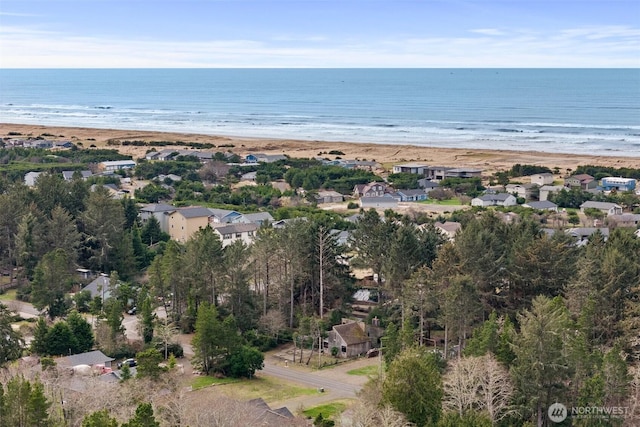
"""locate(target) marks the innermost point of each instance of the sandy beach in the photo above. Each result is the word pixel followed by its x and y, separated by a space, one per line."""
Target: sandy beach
pixel 486 159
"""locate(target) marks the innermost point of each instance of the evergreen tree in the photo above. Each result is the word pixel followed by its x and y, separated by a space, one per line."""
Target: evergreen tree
pixel 60 340
pixel 40 332
pixel 148 362
pixel 99 419
pixel 147 320
pixel 51 281
pixel 25 404
pixel 11 344
pixel 82 331
pixel 143 417
pixel 151 232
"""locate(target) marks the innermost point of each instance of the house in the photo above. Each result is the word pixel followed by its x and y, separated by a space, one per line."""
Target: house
pixel 463 173
pixel 249 176
pixel 264 158
pixel 544 205
pixel 116 165
pixel 258 218
pixel 385 202
pixel 68 175
pixel 624 220
pixel 500 199
pixel 263 415
pixel 99 287
pixel 230 233
pixel 62 145
pixel 582 181
pixel 582 234
pixel 94 359
pixel 183 223
pixel 342 236
pixel 541 179
pixel 414 168
pixel 449 228
pixel 372 189
pixel 619 184
pixel 224 216
pixel 350 339
pixel 287 221
pixel 30 178
pixel 410 195
pixel 525 191
pixel 427 185
pixel 171 177
pixel 325 196
pixel 151 155
pixel 605 207
pixel 545 190
pixel 158 210
pixel 358 164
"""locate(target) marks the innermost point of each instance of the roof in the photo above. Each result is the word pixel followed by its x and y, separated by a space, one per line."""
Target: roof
pixel 411 165
pixel 222 213
pixel 599 205
pixel 68 175
pixel 157 207
pixel 545 204
pixel 500 197
pixel 552 188
pixel 587 231
pixel 258 217
pixel 329 193
pixel 418 192
pixel 90 358
pixel 195 212
pixel 542 174
pixel 242 227
pixel 449 226
pixel 351 333
pixel 425 183
pixel 582 177
pixel 99 287
pixel 118 163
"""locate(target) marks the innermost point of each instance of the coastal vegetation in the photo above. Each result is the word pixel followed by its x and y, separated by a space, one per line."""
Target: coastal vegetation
pixel 488 329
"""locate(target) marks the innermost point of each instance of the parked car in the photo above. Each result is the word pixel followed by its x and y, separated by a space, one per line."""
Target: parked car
pixel 133 310
pixel 130 362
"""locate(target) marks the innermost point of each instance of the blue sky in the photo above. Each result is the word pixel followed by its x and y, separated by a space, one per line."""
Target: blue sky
pixel 319 33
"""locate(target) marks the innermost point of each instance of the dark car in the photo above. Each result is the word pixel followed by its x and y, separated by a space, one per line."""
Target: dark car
pixel 130 362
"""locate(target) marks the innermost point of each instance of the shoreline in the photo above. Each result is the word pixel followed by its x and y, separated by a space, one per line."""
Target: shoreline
pixel 490 160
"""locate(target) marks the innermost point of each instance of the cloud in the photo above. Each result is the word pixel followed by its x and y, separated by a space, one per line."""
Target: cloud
pixel 20 15
pixel 489 31
pixel 607 46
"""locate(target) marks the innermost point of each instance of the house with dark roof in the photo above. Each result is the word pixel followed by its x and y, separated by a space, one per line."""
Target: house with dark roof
pixel 266 416
pixel 184 222
pixel 99 287
pixel 582 181
pixel 230 233
pixel 160 211
pixel 372 189
pixel 91 358
pixel 582 234
pixel 328 196
pixel 350 339
pixel 68 175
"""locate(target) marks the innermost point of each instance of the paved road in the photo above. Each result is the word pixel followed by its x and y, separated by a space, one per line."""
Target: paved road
pixel 313 379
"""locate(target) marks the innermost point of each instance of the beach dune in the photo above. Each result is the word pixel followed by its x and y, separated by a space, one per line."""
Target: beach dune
pixel 386 154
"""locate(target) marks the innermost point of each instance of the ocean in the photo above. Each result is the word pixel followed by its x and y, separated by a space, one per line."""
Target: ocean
pixel 582 111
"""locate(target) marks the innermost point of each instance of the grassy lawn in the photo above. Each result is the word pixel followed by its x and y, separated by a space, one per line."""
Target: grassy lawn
pixel 448 202
pixel 205 381
pixel 365 371
pixel 10 295
pixel 328 410
pixel 270 389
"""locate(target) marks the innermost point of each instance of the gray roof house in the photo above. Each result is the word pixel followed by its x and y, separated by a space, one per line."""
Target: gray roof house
pixel 544 205
pixel 99 287
pixel 230 233
pixel 500 199
pixel 350 339
pixel 582 234
pixel 606 207
pixel 90 358
pixel 449 228
pixel 159 211
pixel 258 218
pixel 68 175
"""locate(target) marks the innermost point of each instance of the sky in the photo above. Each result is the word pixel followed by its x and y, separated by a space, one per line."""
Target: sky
pixel 319 33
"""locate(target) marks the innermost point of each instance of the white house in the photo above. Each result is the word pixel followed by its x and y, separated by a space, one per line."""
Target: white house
pixel 415 168
pixel 545 190
pixel 542 178
pixel 327 196
pixel 116 165
pixel 230 233
pixel 30 178
pixel 500 199
pixel 543 205
pixel 521 190
pixel 605 207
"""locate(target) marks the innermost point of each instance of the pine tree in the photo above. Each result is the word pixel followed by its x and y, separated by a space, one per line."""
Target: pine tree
pixel 82 331
pixel 11 344
pixel 40 333
pixel 99 419
pixel 143 417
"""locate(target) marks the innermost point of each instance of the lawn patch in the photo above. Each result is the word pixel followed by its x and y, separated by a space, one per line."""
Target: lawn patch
pixel 270 389
pixel 205 381
pixel 10 295
pixel 365 371
pixel 328 410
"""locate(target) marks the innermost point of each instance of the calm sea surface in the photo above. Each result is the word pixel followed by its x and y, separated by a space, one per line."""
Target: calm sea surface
pixel 591 111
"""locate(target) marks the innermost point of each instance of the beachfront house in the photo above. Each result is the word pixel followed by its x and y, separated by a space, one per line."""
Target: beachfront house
pixel 541 179
pixel 618 184
pixel 605 207
pixel 115 165
pixel 500 199
pixel 583 181
pixel 264 158
pixel 414 168
pixel 525 191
